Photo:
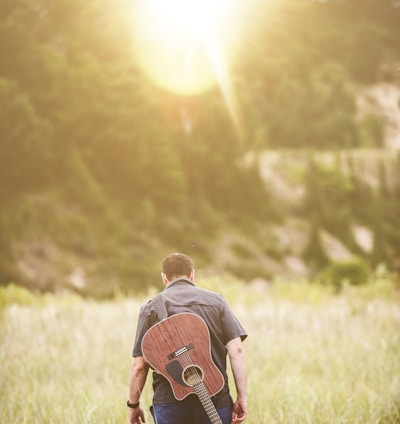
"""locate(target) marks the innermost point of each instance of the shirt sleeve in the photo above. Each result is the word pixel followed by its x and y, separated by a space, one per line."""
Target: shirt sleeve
pixel 230 324
pixel 142 326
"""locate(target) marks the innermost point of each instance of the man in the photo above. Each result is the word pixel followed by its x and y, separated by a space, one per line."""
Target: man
pixel 226 336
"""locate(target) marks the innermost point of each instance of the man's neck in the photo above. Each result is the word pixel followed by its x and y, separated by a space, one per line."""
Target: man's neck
pixel 180 278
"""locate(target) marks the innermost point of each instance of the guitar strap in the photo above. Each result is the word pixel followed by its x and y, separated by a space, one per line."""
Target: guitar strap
pixel 159 307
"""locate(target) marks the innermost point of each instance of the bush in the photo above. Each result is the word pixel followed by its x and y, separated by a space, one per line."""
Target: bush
pixel 354 272
pixel 13 294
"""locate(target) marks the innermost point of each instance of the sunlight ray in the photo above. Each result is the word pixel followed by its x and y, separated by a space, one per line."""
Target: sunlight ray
pixel 179 46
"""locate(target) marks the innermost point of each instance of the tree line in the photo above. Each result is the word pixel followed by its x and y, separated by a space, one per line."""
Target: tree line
pixel 78 117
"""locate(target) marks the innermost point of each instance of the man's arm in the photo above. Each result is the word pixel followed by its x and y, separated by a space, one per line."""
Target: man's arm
pixel 239 370
pixel 137 380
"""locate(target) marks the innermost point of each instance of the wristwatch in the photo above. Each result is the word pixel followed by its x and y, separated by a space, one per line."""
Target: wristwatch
pixel 132 405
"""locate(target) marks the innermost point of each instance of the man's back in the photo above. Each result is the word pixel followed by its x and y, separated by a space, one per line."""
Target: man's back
pixel 182 295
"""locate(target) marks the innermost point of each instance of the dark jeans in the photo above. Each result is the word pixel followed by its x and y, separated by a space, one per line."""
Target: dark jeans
pixel 188 411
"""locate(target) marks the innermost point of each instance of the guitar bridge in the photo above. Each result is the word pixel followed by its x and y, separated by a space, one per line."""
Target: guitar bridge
pixel 180 351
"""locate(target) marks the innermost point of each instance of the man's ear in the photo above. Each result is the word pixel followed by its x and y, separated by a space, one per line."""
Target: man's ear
pixel 164 278
pixel 191 278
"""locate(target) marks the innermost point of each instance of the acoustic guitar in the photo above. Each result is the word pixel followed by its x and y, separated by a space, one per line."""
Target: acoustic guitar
pixel 178 347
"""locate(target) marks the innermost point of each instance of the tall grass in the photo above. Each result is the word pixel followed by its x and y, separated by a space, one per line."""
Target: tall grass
pixel 313 356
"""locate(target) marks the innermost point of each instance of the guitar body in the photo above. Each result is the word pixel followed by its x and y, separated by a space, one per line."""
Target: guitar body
pixel 178 347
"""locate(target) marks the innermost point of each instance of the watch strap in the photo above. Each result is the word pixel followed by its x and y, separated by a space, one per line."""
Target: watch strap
pixel 132 405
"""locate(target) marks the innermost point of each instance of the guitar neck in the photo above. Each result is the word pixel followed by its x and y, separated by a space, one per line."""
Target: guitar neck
pixel 205 400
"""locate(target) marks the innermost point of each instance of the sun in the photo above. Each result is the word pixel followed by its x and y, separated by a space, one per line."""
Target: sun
pixel 184 46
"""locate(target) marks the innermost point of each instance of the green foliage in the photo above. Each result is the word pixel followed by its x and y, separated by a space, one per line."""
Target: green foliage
pixel 335 199
pixel 24 152
pixel 79 119
pixel 328 201
pixel 365 58
pixel 15 295
pixel 381 284
pixel 355 272
pixel 314 253
pixel 372 131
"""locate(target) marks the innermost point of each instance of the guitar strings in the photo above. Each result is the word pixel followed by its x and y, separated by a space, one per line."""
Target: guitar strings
pixel 212 413
pixel 200 390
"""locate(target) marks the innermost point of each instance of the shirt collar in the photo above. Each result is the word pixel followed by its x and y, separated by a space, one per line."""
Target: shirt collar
pixel 180 279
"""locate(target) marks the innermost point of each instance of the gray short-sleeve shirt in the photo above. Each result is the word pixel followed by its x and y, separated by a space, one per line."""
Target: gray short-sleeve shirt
pixel 183 295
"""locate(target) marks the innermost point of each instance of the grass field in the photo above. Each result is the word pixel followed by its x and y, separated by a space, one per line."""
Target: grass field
pixel 313 356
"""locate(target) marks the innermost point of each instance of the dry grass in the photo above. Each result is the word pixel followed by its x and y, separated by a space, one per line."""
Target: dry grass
pixel 314 357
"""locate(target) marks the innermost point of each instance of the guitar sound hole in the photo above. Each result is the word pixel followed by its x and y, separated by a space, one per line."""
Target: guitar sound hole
pixel 192 375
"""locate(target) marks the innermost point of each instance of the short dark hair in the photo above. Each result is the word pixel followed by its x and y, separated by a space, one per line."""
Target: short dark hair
pixel 176 265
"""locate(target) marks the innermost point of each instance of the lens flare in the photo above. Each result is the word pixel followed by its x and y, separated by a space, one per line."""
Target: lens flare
pixel 178 42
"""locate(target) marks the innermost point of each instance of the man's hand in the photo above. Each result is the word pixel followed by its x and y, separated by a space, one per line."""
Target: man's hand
pixel 238 365
pixel 137 380
pixel 136 416
pixel 239 411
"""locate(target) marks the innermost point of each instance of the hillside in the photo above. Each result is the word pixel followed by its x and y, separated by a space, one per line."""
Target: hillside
pixel 283 163
pixel 58 246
